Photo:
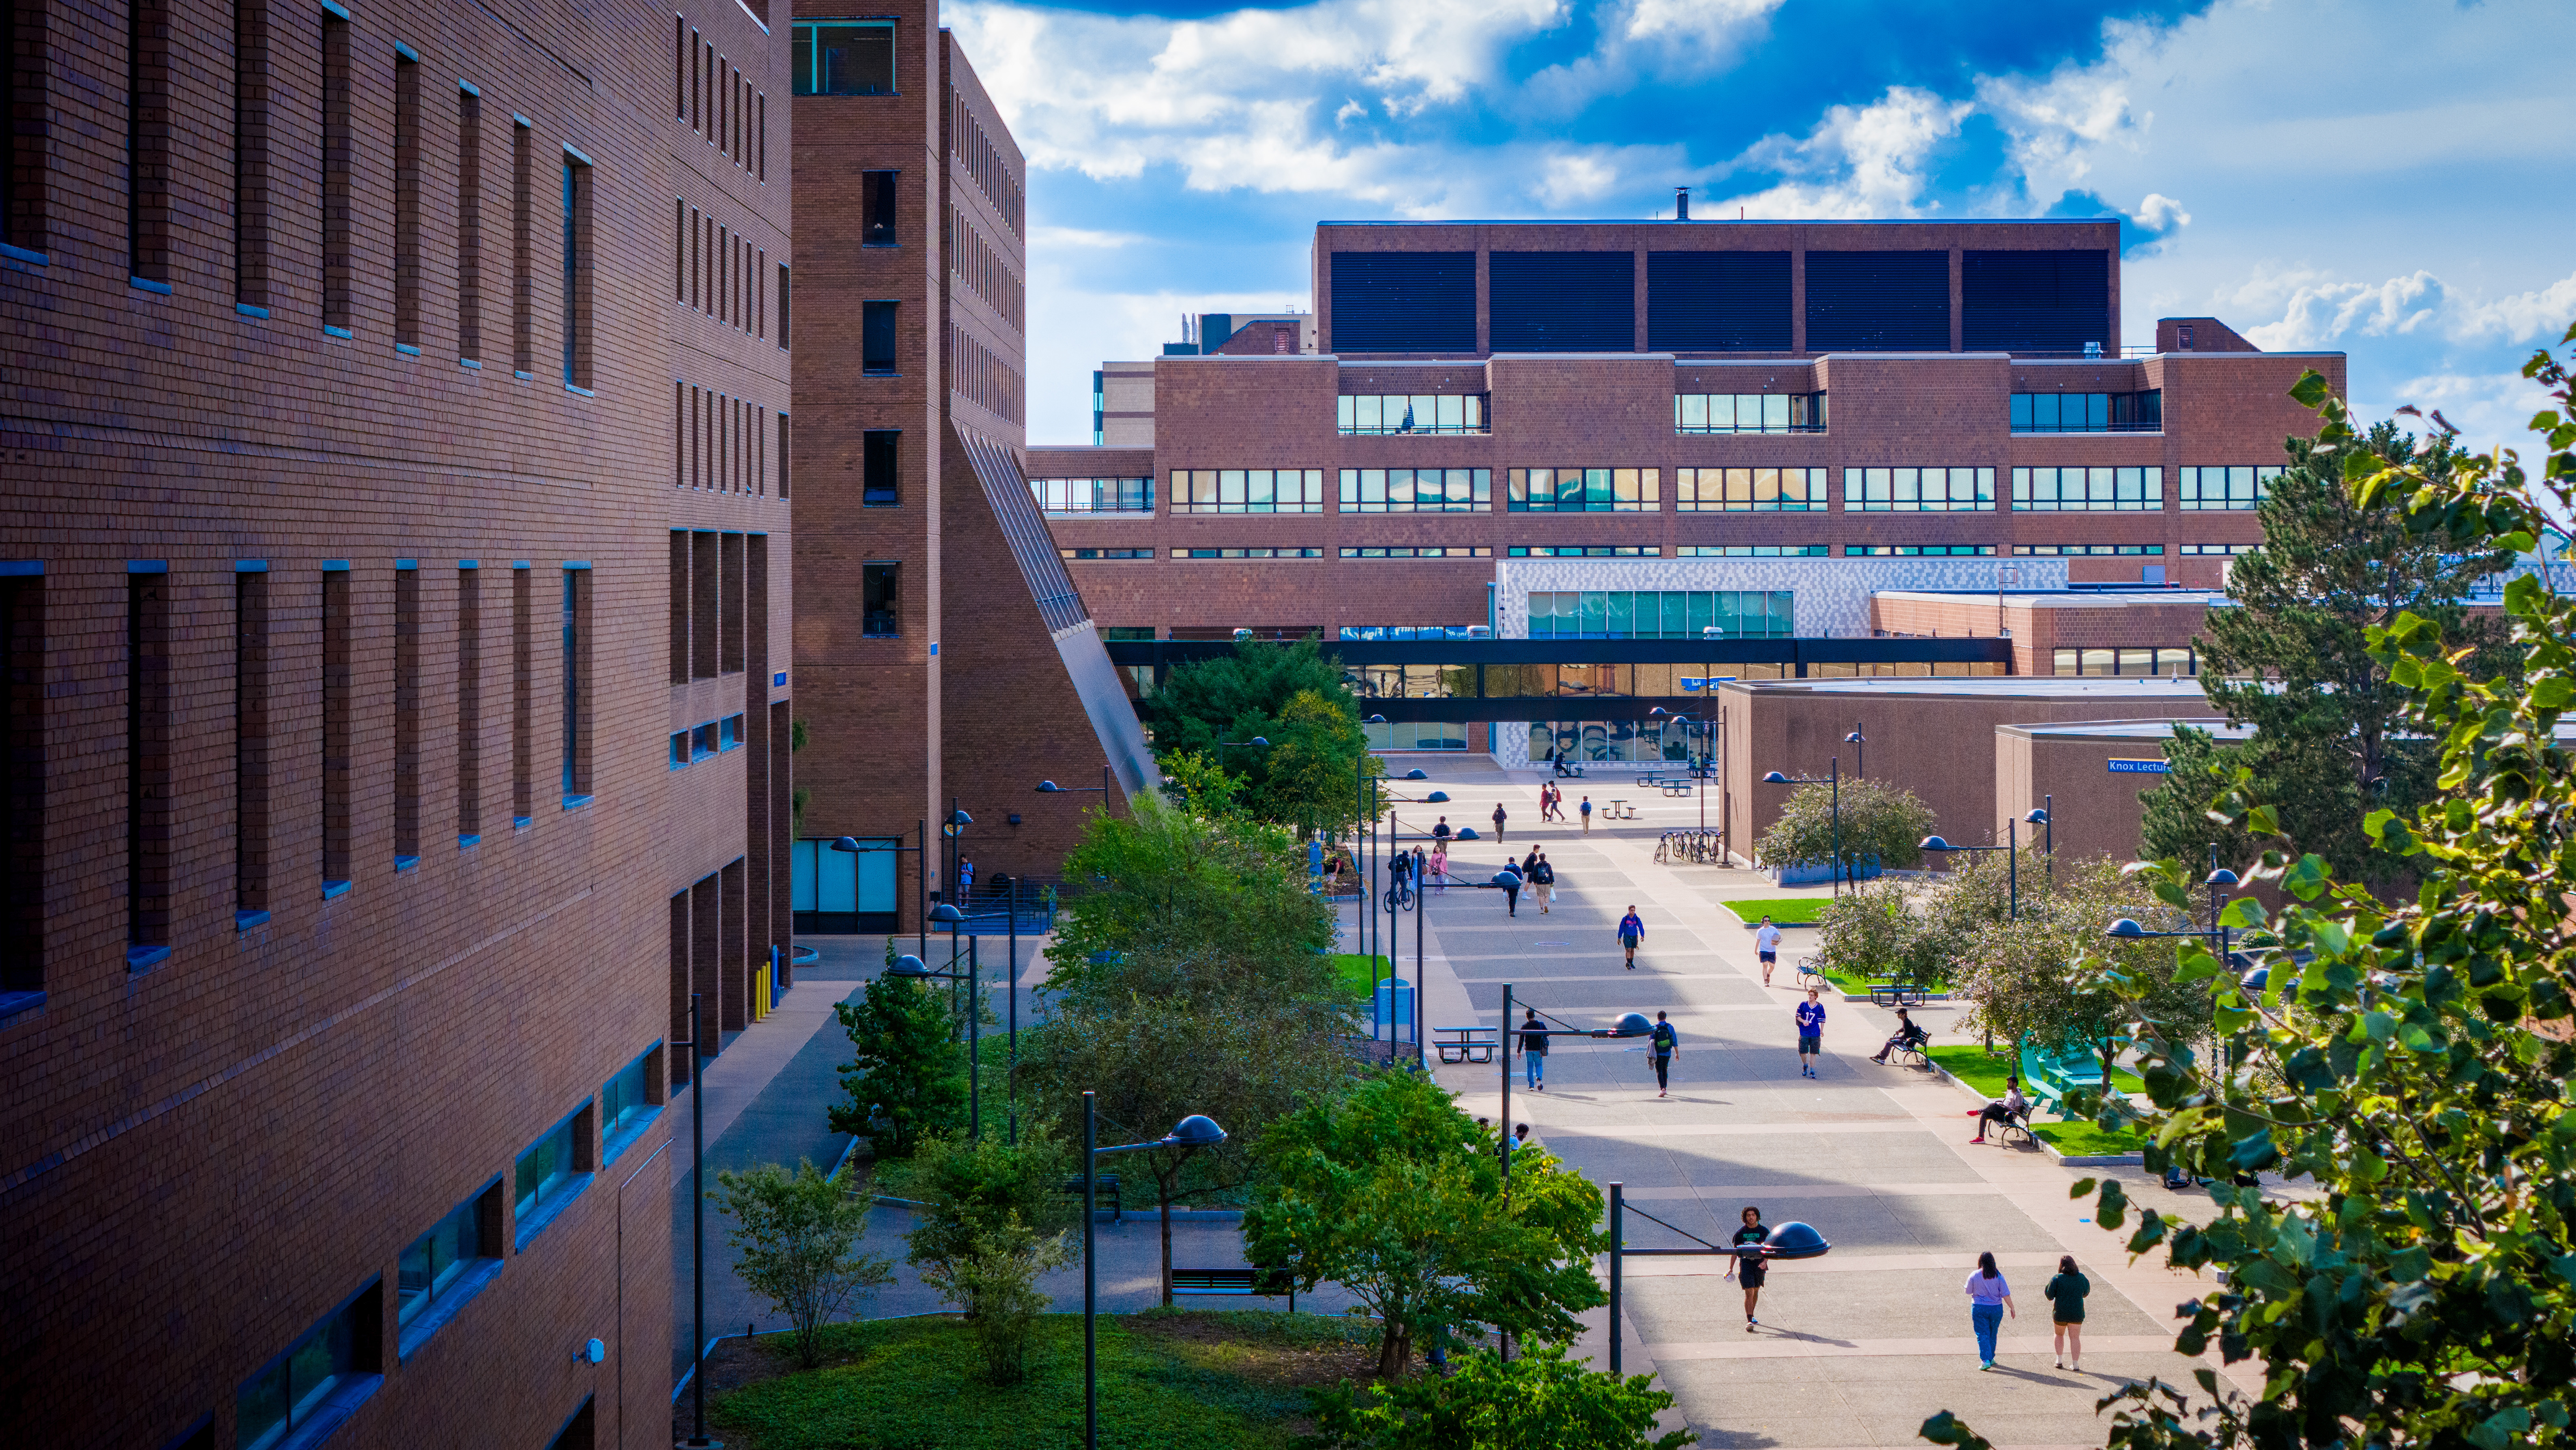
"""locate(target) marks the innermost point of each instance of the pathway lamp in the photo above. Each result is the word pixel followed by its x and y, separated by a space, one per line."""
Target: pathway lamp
pixel 1700 725
pixel 1791 1240
pixel 1195 1131
pixel 909 968
pixel 921 829
pixel 698 1235
pixel 1834 778
pixel 1630 1024
pixel 1860 751
pixel 2011 848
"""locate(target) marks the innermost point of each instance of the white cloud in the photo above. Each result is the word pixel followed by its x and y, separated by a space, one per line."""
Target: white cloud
pixel 1859 161
pixel 2318 311
pixel 2162 213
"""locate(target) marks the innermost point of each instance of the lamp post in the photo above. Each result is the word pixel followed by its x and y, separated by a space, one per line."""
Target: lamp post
pixel 697 1237
pixel 1194 1131
pixel 954 827
pixel 1860 751
pixel 1108 785
pixel 909 968
pixel 850 845
pixel 1834 778
pixel 2218 881
pixel 1698 773
pixel 2011 847
pixel 2048 820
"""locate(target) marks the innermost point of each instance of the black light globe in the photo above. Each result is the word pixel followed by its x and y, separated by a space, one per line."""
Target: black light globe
pixel 1795 1240
pixel 1633 1024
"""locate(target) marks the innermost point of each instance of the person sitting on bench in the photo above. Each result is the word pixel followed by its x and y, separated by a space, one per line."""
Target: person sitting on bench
pixel 1909 1037
pixel 2007 1109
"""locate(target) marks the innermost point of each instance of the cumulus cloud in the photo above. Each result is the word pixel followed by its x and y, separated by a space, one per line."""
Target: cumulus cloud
pixel 1859 161
pixel 2317 310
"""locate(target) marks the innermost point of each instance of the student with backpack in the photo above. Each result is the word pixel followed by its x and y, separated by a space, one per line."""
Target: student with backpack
pixel 1586 809
pixel 1663 1043
pixel 1499 818
pixel 1542 879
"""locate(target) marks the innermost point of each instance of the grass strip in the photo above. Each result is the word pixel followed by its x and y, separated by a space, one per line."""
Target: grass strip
pixel 1783 910
pixel 1353 968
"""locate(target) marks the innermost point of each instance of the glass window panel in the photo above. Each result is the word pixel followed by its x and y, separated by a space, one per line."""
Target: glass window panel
pixel 2097 661
pixel 1701 614
pixel 2137 661
pixel 2097 488
pixel 2043 413
pixel 1476 411
pixel 1748 412
pixel 2021 412
pixel 1373 490
pixel 1346 412
pixel 1453 415
pixel 1595 621
pixel 1721 412
pixel 1622 616
pixel 1775 412
pixel 1364 409
pixel 2097 412
pixel 1595 484
pixel 1692 416
pixel 1229 490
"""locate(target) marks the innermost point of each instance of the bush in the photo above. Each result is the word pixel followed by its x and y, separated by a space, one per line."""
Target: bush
pixel 990 1227
pixel 795 1240
pixel 1877 820
pixel 1539 1401
pixel 907 1074
pixel 1873 934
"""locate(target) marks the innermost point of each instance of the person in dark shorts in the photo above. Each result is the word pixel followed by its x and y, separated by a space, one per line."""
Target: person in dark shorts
pixel 1811 1033
pixel 1663 1042
pixel 1632 930
pixel 1766 945
pixel 2065 1295
pixel 1750 1266
pixel 1509 878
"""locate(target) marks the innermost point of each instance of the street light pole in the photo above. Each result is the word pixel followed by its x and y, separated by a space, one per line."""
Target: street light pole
pixel 1011 1075
pixel 1194 1131
pixel 697 1238
pixel 1860 747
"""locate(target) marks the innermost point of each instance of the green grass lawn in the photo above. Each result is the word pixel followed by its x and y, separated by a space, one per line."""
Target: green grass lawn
pixel 2084 1140
pixel 1783 910
pixel 1970 1064
pixel 1188 1380
pixel 1353 968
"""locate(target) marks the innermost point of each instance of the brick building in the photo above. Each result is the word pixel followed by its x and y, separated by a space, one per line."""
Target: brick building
pixel 943 655
pixel 1676 390
pixel 395 572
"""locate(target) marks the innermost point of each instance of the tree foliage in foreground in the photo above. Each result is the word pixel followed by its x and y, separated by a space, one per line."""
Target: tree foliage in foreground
pixel 2415 1066
pixel 991 1225
pixel 1396 1195
pixel 1539 1401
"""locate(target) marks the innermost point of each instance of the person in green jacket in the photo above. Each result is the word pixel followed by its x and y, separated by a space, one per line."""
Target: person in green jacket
pixel 2065 1295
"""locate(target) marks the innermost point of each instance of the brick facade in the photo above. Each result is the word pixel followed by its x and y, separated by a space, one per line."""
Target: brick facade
pixel 334 940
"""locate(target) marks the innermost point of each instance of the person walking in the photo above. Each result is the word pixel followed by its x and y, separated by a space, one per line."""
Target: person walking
pixel 1542 882
pixel 965 879
pixel 1811 1033
pixel 1498 820
pixel 1663 1042
pixel 2011 1106
pixel 1440 861
pixel 1441 832
pixel 1420 862
pixel 1586 809
pixel 1989 1300
pixel 2065 1294
pixel 1534 1051
pixel 1632 930
pixel 1748 1264
pixel 1766 946
pixel 1509 878
pixel 1910 1036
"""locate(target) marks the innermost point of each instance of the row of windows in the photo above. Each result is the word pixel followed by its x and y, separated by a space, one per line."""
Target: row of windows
pixel 1917 551
pixel 983 161
pixel 1754 551
pixel 2181 660
pixel 1095 495
pixel 1918 490
pixel 1674 614
pixel 1248 490
pixel 2089 412
pixel 1366 413
pixel 1414 631
pixel 1611 741
pixel 716 271
pixel 719 594
pixel 2094 490
pixel 1584 551
pixel 276 140
pixel 976 372
pixel 1417 490
pixel 1695 490
pixel 2076 549
pixel 1416 735
pixel 1656 551
pixel 711 97
pixel 709 737
pixel 1525 681
pixel 722 443
pixel 975 262
pixel 1417 551
pixel 1106 553
pixel 1750 490
pixel 1585 490
pixel 2235 487
pixel 1248 553
pixel 1748 412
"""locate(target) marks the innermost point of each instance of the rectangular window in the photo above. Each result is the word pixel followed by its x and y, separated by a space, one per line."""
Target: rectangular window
pixel 339 166
pixel 782 306
pixel 147 763
pixel 729 732
pixel 729 610
pixel 2094 490
pixel 843 58
pixel 469 226
pixel 1918 490
pixel 1586 490
pixel 406 201
pixel 879 452
pixel 763 104
pixel 523 692
pixel 406 714
pixel 702 740
pixel 880 600
pixel 1678 614
pixel 2239 487
pixel 147 139
pixel 1419 551
pixel 627 1101
pixel 1247 553
pixel 338 709
pixel 704 576
pixel 441 1263
pixel 2073 550
pixel 1753 551
pixel 1253 490
pixel 523 280
pixel 550 1173
pixel 2088 412
pixel 1918 551
pixel 876 338
pixel 576 685
pixel 1403 491
pixel 1748 412
pixel 250 744
pixel 1750 490
pixel 876 199
pixel 576 274
pixel 1397 413
pixel 469 705
pixel 784 456
pixel 251 212
pixel 327 1371
pixel 1093 495
pixel 679 606
pixel 1582 551
pixel 22 790
pixel 679 749
pixel 1105 553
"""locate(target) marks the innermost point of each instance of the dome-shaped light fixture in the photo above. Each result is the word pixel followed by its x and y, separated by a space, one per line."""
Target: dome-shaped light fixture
pixel 1198 1130
pixel 2126 929
pixel 1795 1240
pixel 907 965
pixel 1934 843
pixel 1417 773
pixel 1437 798
pixel 1775 778
pixel 1048 787
pixel 1632 1024
pixel 946 915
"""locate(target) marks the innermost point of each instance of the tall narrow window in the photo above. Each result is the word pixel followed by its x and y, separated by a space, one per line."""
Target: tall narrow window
pixel 784 456
pixel 759 295
pixel 407 200
pixel 679 249
pixel 469 705
pixel 147 141
pixel 523 691
pixel 406 714
pixel 876 338
pixel 250 745
pixel 764 135
pixel 730 607
pixel 22 798
pixel 147 763
pixel 879 452
pixel 339 162
pixel 876 199
pixel 576 273
pixel 679 606
pixel 338 702
pixel 703 597
pixel 880 598
pixel 523 280
pixel 576 684
pixel 679 68
pixel 469 226
pixel 782 305
pixel 251 216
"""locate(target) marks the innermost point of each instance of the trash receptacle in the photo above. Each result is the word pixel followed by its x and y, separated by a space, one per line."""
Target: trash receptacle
pixel 1393 1012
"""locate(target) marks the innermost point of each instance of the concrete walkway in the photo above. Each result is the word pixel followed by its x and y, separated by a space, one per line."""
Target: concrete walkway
pixel 1853 1349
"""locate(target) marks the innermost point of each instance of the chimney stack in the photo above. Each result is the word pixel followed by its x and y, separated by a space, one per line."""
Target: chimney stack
pixel 1681 203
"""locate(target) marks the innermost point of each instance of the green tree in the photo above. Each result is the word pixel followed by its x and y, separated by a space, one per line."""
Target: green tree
pixel 1290 695
pixel 2409 1058
pixel 907 1075
pixel 1875 932
pixel 1539 1401
pixel 1877 820
pixel 1165 879
pixel 991 1225
pixel 2023 975
pixel 2292 659
pixel 1393 1193
pixel 796 1244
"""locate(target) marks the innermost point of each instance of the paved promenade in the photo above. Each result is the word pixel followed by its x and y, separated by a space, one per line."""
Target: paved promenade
pixel 1856 1348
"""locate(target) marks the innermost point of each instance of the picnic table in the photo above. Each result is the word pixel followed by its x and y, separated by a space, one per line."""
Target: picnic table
pixel 1895 994
pixel 1467 1044
pixel 1618 809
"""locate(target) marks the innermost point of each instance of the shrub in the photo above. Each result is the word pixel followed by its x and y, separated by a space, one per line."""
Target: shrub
pixel 991 1225
pixel 1539 1401
pixel 1877 820
pixel 795 1241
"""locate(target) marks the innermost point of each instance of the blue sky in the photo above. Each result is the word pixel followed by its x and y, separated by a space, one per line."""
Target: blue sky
pixel 2384 177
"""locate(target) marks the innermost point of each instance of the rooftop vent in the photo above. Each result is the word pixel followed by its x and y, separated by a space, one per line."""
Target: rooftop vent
pixel 1681 203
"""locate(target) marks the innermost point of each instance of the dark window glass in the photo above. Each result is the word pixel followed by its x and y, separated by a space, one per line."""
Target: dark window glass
pixel 782 318
pixel 879 599
pixel 878 454
pixel 876 337
pixel 844 58
pixel 876 194
pixel 436 1258
pixel 546 1168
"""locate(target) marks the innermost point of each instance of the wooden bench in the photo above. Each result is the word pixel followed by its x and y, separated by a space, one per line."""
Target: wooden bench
pixel 1237 1283
pixel 1104 1189
pixel 2048 1076
pixel 1895 994
pixel 1472 1044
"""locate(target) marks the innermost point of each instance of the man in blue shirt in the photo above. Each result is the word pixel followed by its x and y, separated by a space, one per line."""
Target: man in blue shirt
pixel 1811 1033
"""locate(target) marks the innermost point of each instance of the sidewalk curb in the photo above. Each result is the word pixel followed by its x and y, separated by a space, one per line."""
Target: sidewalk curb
pixel 2076 1160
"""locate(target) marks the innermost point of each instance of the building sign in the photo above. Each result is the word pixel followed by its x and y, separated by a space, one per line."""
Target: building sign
pixel 2140 767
